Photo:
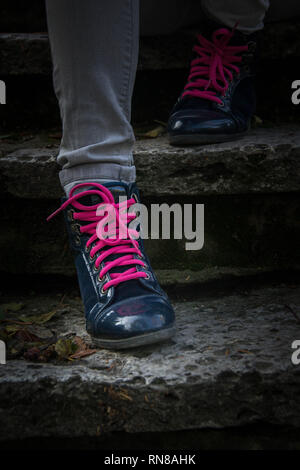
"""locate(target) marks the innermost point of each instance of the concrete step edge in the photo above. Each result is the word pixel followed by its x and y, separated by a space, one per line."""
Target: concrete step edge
pixel 230 364
pixel 29 53
pixel 265 161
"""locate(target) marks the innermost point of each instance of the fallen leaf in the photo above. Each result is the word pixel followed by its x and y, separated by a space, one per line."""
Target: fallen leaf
pixel 39 353
pixel 80 343
pixel 64 348
pixel 39 319
pixel 257 121
pixel 26 336
pixel 82 349
pixel 11 307
pixel 83 353
pixel 32 354
pixel 125 396
pixel 153 133
pixel 12 329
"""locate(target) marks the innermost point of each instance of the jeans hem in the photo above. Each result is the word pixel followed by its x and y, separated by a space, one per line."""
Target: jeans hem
pixel 88 171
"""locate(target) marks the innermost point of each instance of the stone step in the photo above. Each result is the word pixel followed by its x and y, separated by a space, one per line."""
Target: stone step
pixel 242 235
pixel 15 16
pixel 31 102
pixel 267 160
pixel 29 53
pixel 249 188
pixel 228 365
pixel 25 66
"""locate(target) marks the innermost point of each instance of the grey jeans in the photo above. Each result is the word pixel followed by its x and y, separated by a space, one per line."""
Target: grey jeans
pixel 94 46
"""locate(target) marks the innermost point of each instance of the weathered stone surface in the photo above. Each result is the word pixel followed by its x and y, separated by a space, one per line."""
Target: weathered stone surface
pixel 25 53
pixel 267 160
pixel 243 230
pixel 242 234
pixel 229 365
pixel 29 53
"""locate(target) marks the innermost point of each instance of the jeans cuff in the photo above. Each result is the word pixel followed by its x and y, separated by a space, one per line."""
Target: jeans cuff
pixel 109 171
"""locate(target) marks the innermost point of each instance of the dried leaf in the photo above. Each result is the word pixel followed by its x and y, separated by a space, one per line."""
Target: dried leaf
pixel 80 343
pixel 83 353
pixel 39 319
pixel 257 121
pixel 32 354
pixel 124 395
pixel 12 328
pixel 40 353
pixel 26 336
pixel 64 348
pixel 82 349
pixel 11 307
pixel 153 133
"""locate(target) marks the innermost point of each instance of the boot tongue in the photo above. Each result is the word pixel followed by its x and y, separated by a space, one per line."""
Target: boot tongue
pixel 124 289
pixel 117 190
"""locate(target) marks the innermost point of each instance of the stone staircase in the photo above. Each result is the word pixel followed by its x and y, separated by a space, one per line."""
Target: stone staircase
pixel 250 189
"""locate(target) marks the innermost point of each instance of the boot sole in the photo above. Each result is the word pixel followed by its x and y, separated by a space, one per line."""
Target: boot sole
pixel 198 139
pixel 135 341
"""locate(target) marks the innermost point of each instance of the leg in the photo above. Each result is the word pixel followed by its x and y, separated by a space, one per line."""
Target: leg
pixel 248 14
pixel 94 49
pixel 94 46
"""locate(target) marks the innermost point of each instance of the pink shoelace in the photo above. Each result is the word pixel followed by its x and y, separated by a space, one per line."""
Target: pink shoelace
pixel 127 248
pixel 209 72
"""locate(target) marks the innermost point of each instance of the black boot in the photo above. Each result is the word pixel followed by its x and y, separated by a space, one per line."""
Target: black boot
pixel 124 304
pixel 218 100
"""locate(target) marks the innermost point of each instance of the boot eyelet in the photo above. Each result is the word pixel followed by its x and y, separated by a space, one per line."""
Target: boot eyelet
pixel 103 292
pixel 70 213
pixel 92 258
pixel 147 277
pixel 87 249
pixel 95 269
pixel 77 240
pixel 100 279
pixel 75 228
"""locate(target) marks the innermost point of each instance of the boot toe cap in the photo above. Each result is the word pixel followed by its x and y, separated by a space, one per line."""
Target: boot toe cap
pixel 132 317
pixel 203 122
